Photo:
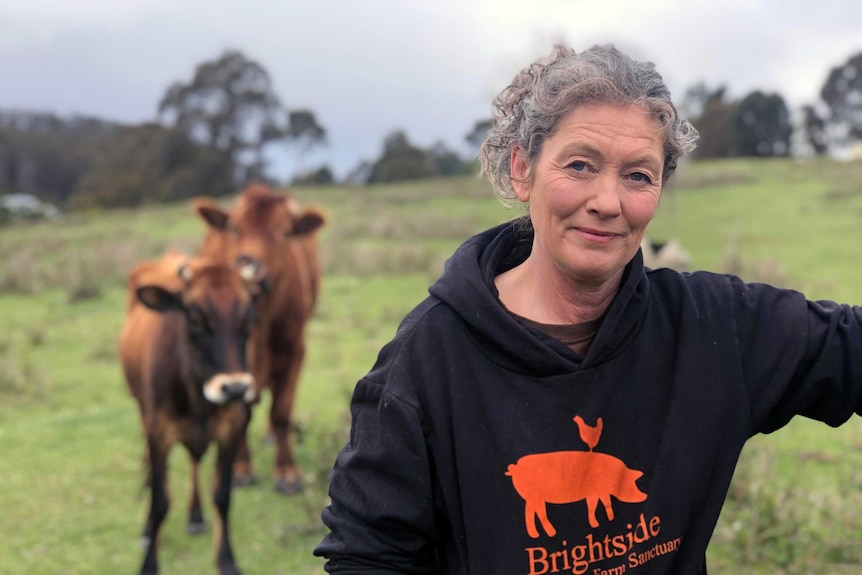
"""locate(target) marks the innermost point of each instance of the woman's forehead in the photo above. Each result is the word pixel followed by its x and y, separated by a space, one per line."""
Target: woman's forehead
pixel 593 128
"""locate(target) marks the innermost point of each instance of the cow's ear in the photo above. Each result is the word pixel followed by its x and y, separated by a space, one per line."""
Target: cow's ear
pixel 158 298
pixel 211 214
pixel 310 221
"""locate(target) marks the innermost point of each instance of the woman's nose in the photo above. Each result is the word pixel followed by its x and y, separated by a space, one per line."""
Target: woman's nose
pixel 604 198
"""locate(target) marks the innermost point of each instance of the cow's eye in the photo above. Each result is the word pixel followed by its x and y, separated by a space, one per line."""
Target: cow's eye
pixel 197 322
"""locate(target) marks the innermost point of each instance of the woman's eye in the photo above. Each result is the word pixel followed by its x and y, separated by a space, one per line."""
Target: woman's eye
pixel 578 166
pixel 640 177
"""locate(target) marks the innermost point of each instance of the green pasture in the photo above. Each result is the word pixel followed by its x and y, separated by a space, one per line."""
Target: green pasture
pixel 71 486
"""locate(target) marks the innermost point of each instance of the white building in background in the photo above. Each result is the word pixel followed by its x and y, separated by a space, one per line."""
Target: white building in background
pixel 26 206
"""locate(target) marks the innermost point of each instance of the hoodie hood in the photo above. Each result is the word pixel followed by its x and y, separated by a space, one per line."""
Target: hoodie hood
pixel 467 287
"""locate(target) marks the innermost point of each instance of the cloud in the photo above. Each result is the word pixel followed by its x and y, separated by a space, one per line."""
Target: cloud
pixel 366 67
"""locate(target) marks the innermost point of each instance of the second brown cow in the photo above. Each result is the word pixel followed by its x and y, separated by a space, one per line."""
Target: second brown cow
pixel 268 234
pixel 183 353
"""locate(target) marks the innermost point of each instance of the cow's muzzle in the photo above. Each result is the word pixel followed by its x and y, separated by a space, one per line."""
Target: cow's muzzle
pixel 226 387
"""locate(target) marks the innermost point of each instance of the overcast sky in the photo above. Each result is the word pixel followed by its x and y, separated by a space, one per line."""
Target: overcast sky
pixel 431 67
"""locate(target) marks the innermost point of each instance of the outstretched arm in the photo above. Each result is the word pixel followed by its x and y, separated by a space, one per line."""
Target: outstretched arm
pixel 799 357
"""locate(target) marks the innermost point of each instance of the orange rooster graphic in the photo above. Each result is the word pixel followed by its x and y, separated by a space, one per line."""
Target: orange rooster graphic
pixel 589 434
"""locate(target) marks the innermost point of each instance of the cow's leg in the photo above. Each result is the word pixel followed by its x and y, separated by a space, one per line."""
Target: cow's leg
pixel 196 524
pixel 159 503
pixel 243 473
pixel 221 496
pixel 146 465
pixel 268 435
pixel 145 455
pixel 288 480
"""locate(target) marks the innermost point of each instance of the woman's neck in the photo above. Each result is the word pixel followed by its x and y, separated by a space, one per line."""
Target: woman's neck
pixel 552 298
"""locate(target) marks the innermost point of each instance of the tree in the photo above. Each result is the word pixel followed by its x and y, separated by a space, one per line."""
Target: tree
pixel 842 93
pixel 304 131
pixel 360 173
pixel 401 161
pixel 229 106
pixel 446 161
pixel 322 176
pixel 715 124
pixel 150 163
pixel 814 129
pixel 477 135
pixel 302 128
pixel 45 155
pixel 762 125
pixel 696 98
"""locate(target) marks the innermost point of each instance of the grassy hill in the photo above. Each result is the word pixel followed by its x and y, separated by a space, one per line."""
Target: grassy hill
pixel 71 487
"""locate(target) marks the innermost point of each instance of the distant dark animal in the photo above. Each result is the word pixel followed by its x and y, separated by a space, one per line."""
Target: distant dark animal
pixel 269 236
pixel 668 254
pixel 183 353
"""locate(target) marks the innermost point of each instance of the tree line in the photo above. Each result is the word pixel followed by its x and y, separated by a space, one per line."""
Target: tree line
pixel 210 134
pixel 760 124
pixel 208 137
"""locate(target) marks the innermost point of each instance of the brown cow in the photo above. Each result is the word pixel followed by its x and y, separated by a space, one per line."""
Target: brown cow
pixel 183 352
pixel 269 235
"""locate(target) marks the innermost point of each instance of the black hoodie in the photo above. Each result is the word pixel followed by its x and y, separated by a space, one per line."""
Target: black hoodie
pixel 481 445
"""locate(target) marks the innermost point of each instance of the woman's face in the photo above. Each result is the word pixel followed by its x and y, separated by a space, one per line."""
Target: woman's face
pixel 592 190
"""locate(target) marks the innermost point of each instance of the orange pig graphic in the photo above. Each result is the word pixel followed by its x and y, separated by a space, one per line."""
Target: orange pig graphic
pixel 570 476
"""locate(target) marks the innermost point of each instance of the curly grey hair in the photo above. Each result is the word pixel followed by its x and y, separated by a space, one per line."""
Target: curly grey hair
pixel 528 110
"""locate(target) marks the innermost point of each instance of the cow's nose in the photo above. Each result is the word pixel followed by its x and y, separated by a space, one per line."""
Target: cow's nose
pixel 234 390
pixel 252 270
pixel 246 260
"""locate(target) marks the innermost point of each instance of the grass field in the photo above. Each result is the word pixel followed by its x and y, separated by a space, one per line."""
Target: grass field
pixel 71 488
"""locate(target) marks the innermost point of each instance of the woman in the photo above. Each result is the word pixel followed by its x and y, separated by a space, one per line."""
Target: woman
pixel 554 406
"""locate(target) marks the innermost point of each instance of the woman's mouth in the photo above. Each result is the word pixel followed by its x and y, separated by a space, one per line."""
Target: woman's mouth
pixel 598 236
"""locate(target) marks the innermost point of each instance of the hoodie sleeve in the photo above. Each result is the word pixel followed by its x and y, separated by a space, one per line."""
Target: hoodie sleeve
pixel 381 514
pixel 798 356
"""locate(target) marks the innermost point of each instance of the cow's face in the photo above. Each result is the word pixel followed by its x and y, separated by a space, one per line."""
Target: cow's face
pixel 217 310
pixel 254 231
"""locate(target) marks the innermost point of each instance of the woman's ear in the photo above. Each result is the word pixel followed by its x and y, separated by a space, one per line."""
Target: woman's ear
pixel 520 174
